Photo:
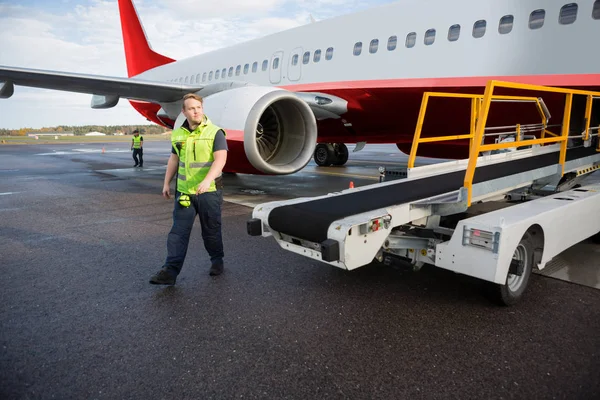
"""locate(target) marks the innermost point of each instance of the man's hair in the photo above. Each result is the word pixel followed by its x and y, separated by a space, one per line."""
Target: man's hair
pixel 192 96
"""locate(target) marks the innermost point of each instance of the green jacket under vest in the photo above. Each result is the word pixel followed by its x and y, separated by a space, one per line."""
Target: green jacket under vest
pixel 195 152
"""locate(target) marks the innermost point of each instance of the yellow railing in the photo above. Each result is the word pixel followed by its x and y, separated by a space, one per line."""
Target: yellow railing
pixel 488 96
pixel 476 102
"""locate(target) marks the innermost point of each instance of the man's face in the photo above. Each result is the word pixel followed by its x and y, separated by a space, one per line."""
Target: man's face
pixel 193 111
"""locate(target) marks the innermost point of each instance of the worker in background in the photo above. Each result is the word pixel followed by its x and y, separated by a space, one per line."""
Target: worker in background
pixel 198 155
pixel 136 145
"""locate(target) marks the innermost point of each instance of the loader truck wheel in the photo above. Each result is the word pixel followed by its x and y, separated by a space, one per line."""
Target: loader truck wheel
pixel 521 265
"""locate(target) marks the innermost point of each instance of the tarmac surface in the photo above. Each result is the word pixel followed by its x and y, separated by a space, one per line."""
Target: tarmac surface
pixel 82 232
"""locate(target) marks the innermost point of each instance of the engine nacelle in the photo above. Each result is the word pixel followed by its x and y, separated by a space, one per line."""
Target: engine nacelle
pixel 279 130
pixel 7 89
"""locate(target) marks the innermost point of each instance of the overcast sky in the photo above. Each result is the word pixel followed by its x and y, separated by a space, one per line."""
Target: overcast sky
pixel 85 36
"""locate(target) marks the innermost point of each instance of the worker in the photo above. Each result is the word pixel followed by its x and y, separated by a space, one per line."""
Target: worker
pixel 198 155
pixel 136 145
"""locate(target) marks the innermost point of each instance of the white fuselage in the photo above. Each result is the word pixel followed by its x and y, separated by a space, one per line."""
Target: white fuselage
pixel 554 48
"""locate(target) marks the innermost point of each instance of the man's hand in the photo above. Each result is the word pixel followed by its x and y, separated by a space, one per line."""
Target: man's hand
pixel 166 192
pixel 203 187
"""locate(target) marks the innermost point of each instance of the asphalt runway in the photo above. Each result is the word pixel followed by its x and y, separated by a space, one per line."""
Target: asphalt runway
pixel 82 231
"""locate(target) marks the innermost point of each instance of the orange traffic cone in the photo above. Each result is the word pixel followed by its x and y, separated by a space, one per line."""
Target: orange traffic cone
pixel 351 185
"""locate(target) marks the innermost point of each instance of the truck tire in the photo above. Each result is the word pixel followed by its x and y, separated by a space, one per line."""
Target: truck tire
pixel 512 290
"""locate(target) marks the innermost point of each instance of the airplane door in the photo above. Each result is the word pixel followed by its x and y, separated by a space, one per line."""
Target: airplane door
pixel 295 64
pixel 275 67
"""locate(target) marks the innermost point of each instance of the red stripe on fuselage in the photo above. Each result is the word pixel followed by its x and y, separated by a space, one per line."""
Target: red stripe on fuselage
pixel 568 80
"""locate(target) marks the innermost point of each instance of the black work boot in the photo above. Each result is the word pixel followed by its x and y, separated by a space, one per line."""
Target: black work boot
pixel 163 277
pixel 216 268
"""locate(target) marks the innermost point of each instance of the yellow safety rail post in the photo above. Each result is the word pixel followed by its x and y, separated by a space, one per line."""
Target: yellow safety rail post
pixel 588 116
pixel 475 107
pixel 418 129
pixel 565 132
pixel 478 138
pixel 482 120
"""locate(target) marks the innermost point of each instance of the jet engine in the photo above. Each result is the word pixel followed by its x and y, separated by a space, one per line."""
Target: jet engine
pixel 278 129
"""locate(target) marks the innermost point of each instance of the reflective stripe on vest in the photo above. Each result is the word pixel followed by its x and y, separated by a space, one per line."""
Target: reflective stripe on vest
pixel 137 142
pixel 195 152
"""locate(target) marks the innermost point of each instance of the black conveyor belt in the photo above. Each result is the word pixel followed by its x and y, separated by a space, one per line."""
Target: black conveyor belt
pixel 310 220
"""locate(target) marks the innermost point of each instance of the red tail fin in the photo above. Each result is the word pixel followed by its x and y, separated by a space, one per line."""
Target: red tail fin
pixel 138 54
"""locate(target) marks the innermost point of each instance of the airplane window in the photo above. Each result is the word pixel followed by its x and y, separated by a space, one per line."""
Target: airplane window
pixel 246 68
pixel 230 71
pixel 306 57
pixel 217 76
pixel 210 76
pixel 181 80
pixel 254 66
pixel 429 37
pixel 357 48
pixel 506 24
pixel 479 28
pixel 374 46
pixel 198 78
pixel 392 43
pixel 317 56
pixel 204 77
pixel 265 64
pixel 536 19
pixel 223 73
pixel 186 79
pixel 596 10
pixel 329 53
pixel 454 33
pixel 411 39
pixel 295 59
pixel 238 69
pixel 568 14
pixel 276 63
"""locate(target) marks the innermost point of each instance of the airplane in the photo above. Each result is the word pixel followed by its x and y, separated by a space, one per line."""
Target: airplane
pixel 304 93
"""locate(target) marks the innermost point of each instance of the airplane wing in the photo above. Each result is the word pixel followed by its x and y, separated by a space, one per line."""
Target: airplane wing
pixel 107 89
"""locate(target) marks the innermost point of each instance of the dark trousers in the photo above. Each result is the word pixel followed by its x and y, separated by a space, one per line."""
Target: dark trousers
pixel 207 206
pixel 140 153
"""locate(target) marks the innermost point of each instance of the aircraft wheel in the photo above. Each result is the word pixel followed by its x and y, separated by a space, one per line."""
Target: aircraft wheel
pixel 324 154
pixel 341 154
pixel 512 290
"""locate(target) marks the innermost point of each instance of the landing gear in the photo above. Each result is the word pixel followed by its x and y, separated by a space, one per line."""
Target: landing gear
pixel 327 154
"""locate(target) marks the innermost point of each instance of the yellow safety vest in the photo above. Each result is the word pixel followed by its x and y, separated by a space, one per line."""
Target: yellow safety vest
pixel 137 141
pixel 195 152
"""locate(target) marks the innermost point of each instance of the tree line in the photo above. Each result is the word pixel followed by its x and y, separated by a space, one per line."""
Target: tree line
pixel 82 130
